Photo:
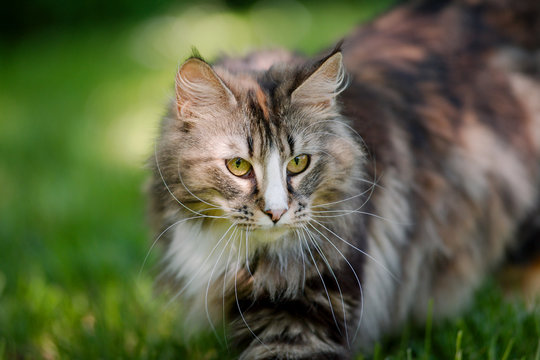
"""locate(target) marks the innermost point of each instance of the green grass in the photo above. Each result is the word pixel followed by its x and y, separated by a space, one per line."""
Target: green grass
pixel 78 111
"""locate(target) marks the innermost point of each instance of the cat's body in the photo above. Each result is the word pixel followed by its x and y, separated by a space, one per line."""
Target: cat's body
pixel 359 203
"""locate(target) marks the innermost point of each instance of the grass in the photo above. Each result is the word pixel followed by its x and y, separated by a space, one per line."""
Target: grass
pixel 78 111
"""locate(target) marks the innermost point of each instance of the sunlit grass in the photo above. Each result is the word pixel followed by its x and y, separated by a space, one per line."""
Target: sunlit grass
pixel 78 112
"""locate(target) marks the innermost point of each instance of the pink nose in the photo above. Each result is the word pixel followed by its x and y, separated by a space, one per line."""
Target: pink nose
pixel 275 215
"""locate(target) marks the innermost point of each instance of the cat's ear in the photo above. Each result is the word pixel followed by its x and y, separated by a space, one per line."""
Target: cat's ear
pixel 199 89
pixel 323 85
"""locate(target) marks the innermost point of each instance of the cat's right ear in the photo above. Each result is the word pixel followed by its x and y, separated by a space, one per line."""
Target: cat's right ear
pixel 324 84
pixel 200 90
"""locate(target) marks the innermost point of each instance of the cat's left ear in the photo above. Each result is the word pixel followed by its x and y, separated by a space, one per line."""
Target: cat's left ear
pixel 199 90
pixel 323 85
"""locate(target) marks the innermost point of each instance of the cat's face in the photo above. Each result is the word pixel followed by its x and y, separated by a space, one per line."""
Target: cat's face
pixel 263 161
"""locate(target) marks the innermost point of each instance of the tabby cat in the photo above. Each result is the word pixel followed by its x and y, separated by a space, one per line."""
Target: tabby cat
pixel 313 206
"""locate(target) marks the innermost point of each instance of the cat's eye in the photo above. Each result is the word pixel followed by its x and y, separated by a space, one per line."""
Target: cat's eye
pixel 298 164
pixel 238 166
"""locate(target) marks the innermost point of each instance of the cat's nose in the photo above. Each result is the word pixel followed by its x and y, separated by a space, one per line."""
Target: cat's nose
pixel 276 214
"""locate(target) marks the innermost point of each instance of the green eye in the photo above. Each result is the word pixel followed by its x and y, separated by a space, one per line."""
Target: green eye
pixel 238 166
pixel 298 164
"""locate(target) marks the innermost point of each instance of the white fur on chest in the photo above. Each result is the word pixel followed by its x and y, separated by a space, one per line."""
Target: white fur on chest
pixel 198 255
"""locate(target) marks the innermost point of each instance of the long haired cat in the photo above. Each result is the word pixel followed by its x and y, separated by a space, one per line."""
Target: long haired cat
pixel 316 205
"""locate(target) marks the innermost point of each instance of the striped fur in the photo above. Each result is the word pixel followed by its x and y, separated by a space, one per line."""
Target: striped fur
pixel 421 171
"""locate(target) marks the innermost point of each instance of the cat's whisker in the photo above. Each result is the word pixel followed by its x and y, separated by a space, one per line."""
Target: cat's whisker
pixel 360 250
pixel 340 211
pixel 343 200
pixel 301 249
pixel 355 275
pixel 350 212
pixel 372 187
pixel 174 197
pixel 247 251
pixel 159 237
pixel 372 190
pixel 373 183
pixel 211 208
pixel 210 280
pixel 321 253
pixel 305 230
pixel 189 191
pixel 238 302
pixel 200 267
pixel 225 273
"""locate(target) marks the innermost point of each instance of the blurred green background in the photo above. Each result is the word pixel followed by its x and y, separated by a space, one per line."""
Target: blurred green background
pixel 82 88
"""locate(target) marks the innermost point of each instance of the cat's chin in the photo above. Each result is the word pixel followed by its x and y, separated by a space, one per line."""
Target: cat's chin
pixel 270 234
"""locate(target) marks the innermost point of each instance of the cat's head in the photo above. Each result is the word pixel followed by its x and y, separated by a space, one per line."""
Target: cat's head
pixel 263 149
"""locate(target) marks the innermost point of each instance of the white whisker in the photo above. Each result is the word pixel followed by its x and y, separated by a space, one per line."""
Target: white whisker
pixel 321 253
pixel 247 251
pixel 159 237
pixel 355 275
pixel 322 280
pixel 350 212
pixel 303 259
pixel 343 200
pixel 174 197
pixel 238 303
pixel 373 183
pixel 189 191
pixel 210 280
pixel 223 292
pixel 359 250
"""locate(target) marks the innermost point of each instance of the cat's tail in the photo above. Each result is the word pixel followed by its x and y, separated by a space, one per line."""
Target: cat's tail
pixel 514 21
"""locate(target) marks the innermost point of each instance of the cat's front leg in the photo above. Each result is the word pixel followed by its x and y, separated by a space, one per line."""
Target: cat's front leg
pixel 301 329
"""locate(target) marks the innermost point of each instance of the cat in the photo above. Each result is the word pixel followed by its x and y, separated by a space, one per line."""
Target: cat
pixel 315 205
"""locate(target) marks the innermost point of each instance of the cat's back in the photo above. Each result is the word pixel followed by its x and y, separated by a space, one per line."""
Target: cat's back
pixel 440 70
pixel 451 118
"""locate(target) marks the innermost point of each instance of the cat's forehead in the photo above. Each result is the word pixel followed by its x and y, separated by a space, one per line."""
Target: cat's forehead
pixel 266 91
pixel 254 140
pixel 265 117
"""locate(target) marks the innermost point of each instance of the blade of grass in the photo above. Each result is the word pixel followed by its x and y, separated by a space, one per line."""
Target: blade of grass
pixel 377 353
pixel 537 357
pixel 492 349
pixel 2 349
pixel 459 354
pixel 508 349
pixel 429 323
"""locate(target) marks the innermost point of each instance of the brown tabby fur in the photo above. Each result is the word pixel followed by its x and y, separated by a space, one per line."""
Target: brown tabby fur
pixel 441 115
